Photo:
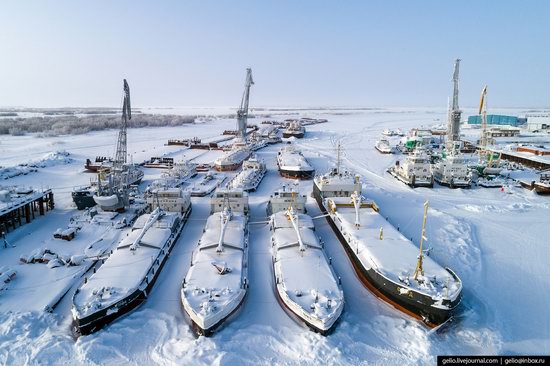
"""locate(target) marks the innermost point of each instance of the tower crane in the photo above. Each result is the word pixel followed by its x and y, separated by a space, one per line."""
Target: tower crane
pixel 122 146
pixel 242 113
pixel 453 127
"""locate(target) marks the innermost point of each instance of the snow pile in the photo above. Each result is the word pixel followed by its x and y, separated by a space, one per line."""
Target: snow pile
pixel 48 160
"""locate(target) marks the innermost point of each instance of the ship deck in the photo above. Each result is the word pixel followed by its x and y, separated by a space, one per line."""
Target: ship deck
pixel 124 270
pixel 204 284
pixel 395 257
pixel 306 278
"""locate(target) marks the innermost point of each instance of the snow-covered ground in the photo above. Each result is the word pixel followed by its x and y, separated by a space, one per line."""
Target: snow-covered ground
pixel 495 241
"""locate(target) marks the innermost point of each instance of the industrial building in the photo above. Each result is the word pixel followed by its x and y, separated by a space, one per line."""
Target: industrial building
pixel 497 119
pixel 538 122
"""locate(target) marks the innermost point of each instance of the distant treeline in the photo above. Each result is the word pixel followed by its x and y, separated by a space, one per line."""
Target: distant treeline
pixel 72 125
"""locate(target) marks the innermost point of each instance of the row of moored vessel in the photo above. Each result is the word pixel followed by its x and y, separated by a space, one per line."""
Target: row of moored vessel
pixel 304 281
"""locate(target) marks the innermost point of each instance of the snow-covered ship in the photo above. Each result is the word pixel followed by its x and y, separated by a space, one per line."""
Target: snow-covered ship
pixel 452 171
pixel 216 283
pixel 292 164
pixel 387 263
pixel 415 171
pixel 251 175
pixel 113 195
pixel 304 280
pixel 231 160
pixel 127 276
pixel 383 145
pixel 294 129
pixel 83 197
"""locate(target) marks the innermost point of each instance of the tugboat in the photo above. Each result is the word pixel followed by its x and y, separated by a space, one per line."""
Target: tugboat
pixel 387 263
pixel 292 164
pixel 250 177
pixel 383 146
pixel 415 171
pixel 127 276
pixel 294 129
pixel 217 281
pixel 304 280
pixel 452 171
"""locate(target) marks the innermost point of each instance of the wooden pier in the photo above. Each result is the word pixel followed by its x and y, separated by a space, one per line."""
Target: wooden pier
pixel 21 208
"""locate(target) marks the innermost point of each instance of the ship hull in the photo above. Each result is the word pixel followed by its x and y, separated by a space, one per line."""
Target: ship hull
pixel 228 167
pixel 415 304
pixel 200 331
pixel 297 135
pixel 452 183
pixel 96 321
pixel 541 189
pixel 83 201
pixel 297 174
pixel 296 316
pixel 413 182
pixel 383 151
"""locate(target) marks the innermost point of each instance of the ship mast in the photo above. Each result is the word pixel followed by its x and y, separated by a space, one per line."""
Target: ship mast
pixel 290 213
pixel 225 217
pixel 419 269
pixel 338 157
pixel 356 200
pixel 242 113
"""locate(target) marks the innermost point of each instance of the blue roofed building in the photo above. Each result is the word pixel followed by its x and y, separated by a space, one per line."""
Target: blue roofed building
pixel 497 119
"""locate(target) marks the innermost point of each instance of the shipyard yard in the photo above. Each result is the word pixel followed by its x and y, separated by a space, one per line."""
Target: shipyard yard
pixel 491 238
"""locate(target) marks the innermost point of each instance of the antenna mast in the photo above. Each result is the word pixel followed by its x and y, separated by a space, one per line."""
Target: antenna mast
pixel 419 269
pixel 242 113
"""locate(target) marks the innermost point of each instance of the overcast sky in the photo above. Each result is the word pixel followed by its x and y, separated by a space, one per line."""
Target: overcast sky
pixel 302 53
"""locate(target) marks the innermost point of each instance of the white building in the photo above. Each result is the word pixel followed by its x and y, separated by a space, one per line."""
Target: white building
pixel 538 122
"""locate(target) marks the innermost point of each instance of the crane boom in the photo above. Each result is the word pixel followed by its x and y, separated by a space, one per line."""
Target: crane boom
pixel 242 113
pixel 453 128
pixel 122 147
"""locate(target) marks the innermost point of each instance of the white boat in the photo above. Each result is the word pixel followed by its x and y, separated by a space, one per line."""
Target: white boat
pixel 305 283
pixel 128 275
pixel 415 171
pixel 383 145
pixel 452 171
pixel 292 164
pixel 205 183
pixel 216 283
pixel 388 132
pixel 294 129
pixel 250 176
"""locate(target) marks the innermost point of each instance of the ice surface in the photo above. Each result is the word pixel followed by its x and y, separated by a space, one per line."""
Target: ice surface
pixel 500 255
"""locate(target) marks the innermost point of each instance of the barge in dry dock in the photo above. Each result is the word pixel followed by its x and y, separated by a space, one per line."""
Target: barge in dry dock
pixel 217 281
pixel 386 262
pixel 128 275
pixel 304 280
